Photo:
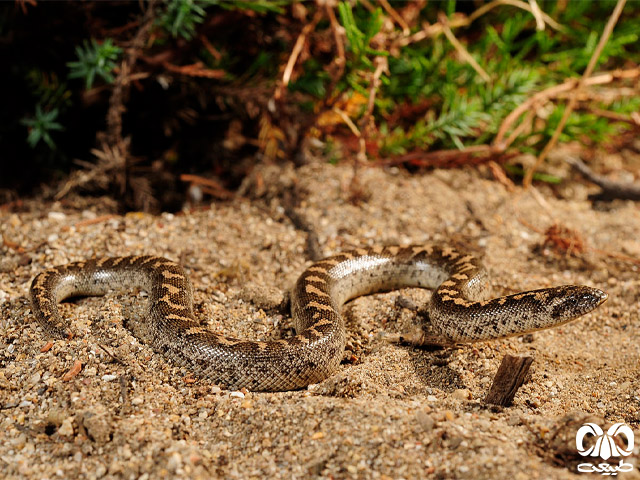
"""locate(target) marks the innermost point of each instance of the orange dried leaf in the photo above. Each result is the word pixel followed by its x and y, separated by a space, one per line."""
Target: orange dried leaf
pixel 75 370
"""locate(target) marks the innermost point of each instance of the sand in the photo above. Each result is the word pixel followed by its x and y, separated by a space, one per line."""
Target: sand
pixel 104 405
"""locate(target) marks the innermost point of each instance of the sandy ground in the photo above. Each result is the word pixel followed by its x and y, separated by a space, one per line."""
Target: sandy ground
pixel 391 411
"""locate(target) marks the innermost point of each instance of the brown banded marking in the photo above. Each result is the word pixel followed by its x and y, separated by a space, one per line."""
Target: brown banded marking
pixel 466 267
pixel 180 318
pixel 332 261
pixel 322 322
pixel 450 253
pixel 450 293
pixel 176 306
pixel 313 278
pixel 418 249
pixel 317 349
pixel 102 261
pixel 169 275
pixel 309 288
pixel 393 250
pixel 460 276
pixel 195 330
pixel 321 306
pixel 173 290
pixel 465 259
pixel 540 296
pixel 316 268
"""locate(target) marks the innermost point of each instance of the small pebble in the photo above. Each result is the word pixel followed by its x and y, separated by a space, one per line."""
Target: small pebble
pixel 14 220
pixel 514 420
pixel 425 421
pixel 98 425
pixel 56 216
pixel 109 378
pixel 66 429
pixel 100 470
pixel 462 394
pixel 236 395
pixel 175 462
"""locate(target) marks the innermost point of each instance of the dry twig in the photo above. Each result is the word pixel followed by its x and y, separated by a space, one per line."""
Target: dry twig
pixel 114 160
pixel 510 376
pixel 396 17
pixel 208 186
pixel 382 66
pixel 335 69
pixel 610 188
pixel 473 155
pixel 459 21
pixel 518 4
pixel 463 52
pixel 93 221
pixel 297 48
pixel 195 70
pixel 573 100
pixel 499 174
pixel 557 91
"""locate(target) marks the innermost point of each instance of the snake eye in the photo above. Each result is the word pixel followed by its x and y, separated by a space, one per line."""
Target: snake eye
pixel 577 300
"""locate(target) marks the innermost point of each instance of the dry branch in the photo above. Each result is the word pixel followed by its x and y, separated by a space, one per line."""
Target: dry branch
pixel 195 70
pixel 295 53
pixel 608 29
pixel 556 91
pixel 208 186
pixel 510 376
pixel 473 155
pixel 395 16
pixel 382 66
pixel 113 155
pixel 442 18
pixel 610 188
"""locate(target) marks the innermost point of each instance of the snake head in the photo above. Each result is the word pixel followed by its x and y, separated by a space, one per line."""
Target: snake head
pixel 572 301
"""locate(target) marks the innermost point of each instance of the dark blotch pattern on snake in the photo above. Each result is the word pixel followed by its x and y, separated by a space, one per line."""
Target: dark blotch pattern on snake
pixel 459 309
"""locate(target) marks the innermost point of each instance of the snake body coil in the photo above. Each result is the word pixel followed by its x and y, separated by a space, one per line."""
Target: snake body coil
pixel 458 309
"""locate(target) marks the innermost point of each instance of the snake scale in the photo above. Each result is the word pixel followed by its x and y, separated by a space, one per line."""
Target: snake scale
pixel 459 309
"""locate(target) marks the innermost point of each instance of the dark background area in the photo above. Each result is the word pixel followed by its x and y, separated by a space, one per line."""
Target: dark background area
pixel 202 92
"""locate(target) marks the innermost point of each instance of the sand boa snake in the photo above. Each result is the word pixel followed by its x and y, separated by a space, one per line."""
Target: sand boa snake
pixel 459 309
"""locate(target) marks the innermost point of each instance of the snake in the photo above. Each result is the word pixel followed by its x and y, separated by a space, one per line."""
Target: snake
pixel 460 309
